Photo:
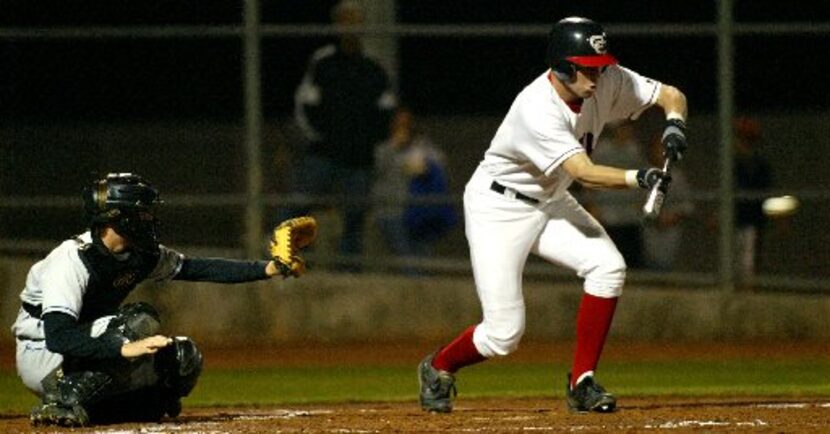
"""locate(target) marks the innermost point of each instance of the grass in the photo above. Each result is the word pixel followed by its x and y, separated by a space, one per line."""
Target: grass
pixel 294 385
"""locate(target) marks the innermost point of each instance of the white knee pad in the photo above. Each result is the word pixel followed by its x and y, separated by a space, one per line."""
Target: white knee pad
pixel 606 279
pixel 500 332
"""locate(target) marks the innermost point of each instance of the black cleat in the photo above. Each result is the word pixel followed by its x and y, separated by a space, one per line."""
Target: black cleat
pixel 59 415
pixel 173 407
pixel 437 387
pixel 588 396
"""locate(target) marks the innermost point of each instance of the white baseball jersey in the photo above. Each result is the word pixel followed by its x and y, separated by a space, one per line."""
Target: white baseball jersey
pixel 540 131
pixel 517 203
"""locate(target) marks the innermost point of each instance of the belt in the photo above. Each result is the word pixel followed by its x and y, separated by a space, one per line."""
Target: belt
pixel 498 188
pixel 33 310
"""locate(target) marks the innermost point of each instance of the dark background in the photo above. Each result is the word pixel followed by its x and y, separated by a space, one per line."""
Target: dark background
pixel 201 77
pixel 171 108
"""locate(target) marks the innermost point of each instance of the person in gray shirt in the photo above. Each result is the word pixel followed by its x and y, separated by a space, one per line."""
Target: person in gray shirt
pixel 90 359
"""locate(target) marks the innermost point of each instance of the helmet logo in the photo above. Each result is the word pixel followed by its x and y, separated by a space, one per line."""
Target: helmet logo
pixel 598 43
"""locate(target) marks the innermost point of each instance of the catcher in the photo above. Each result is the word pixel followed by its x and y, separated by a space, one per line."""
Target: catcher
pixel 92 360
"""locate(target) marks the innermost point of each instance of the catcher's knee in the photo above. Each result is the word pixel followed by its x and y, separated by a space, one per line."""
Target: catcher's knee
pixel 179 366
pixel 501 337
pixel 606 280
pixel 136 321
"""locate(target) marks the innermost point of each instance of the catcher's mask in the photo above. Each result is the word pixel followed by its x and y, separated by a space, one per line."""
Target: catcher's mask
pixel 126 202
pixel 575 42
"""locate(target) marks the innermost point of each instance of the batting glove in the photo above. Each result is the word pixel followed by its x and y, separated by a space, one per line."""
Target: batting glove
pixel 648 178
pixel 674 139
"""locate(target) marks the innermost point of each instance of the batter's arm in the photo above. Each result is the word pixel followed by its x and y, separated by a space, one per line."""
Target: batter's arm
pixel 591 175
pixel 673 102
pixel 596 176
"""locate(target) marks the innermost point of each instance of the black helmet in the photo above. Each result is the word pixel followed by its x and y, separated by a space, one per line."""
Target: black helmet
pixel 126 201
pixel 577 41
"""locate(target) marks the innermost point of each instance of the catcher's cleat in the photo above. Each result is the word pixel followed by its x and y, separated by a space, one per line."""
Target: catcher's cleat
pixel 588 396
pixel 59 415
pixel 437 387
pixel 172 406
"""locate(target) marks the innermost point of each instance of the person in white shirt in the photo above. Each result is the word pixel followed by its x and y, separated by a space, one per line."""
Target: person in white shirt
pixel 517 202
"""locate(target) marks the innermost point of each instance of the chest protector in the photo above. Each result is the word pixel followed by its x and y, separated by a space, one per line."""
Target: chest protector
pixel 110 279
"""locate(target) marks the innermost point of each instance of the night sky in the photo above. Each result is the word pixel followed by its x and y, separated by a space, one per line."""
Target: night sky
pixel 201 78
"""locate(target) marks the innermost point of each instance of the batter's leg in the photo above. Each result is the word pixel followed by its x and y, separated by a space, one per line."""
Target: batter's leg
pixel 500 232
pixel 576 240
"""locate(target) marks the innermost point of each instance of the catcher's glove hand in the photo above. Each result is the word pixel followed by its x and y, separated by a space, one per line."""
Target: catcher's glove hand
pixel 288 238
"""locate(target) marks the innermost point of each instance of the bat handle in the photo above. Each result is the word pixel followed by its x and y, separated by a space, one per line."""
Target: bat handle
pixel 657 195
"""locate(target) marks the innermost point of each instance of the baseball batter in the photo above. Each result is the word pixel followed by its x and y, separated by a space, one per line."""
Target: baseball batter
pixel 92 360
pixel 517 202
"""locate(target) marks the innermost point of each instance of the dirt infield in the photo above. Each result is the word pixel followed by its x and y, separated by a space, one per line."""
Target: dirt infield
pixel 635 413
pixel 487 416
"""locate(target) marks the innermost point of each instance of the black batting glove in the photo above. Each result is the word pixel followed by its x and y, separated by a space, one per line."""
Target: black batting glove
pixel 648 178
pixel 674 139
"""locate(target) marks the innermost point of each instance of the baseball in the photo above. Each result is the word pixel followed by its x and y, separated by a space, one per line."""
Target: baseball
pixel 780 206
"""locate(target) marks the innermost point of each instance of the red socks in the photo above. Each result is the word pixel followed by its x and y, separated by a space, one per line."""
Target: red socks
pixel 592 323
pixel 459 353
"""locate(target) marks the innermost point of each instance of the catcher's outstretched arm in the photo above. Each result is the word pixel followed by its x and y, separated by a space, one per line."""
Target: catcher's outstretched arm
pixel 222 270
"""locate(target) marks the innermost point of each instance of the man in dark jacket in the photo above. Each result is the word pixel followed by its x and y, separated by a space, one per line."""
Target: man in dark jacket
pixel 343 106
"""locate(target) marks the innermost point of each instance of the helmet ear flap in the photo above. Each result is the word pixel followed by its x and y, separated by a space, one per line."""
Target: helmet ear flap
pixel 563 70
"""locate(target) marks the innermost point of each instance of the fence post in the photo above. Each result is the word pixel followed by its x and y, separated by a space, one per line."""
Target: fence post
pixel 726 105
pixel 253 131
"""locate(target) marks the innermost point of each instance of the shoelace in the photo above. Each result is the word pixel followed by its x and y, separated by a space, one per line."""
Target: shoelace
pixel 597 388
pixel 439 387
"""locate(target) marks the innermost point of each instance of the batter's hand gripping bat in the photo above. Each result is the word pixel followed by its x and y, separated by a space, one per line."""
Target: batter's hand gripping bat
pixel 657 195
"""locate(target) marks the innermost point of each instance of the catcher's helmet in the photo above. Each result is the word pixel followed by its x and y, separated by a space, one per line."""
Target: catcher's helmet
pixel 577 41
pixel 126 201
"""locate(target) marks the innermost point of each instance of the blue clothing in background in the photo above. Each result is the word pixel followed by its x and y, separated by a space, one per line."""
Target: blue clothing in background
pixel 427 222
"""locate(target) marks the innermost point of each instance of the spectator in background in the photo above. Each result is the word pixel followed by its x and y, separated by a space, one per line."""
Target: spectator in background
pixel 409 168
pixel 343 106
pixel 752 174
pixel 662 238
pixel 620 211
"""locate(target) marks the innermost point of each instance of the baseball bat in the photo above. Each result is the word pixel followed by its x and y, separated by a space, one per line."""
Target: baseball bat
pixel 657 195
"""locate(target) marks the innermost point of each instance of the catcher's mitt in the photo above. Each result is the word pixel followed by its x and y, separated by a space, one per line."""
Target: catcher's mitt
pixel 288 238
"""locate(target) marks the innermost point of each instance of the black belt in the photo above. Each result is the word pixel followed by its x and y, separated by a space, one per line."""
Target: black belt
pixel 498 188
pixel 31 309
